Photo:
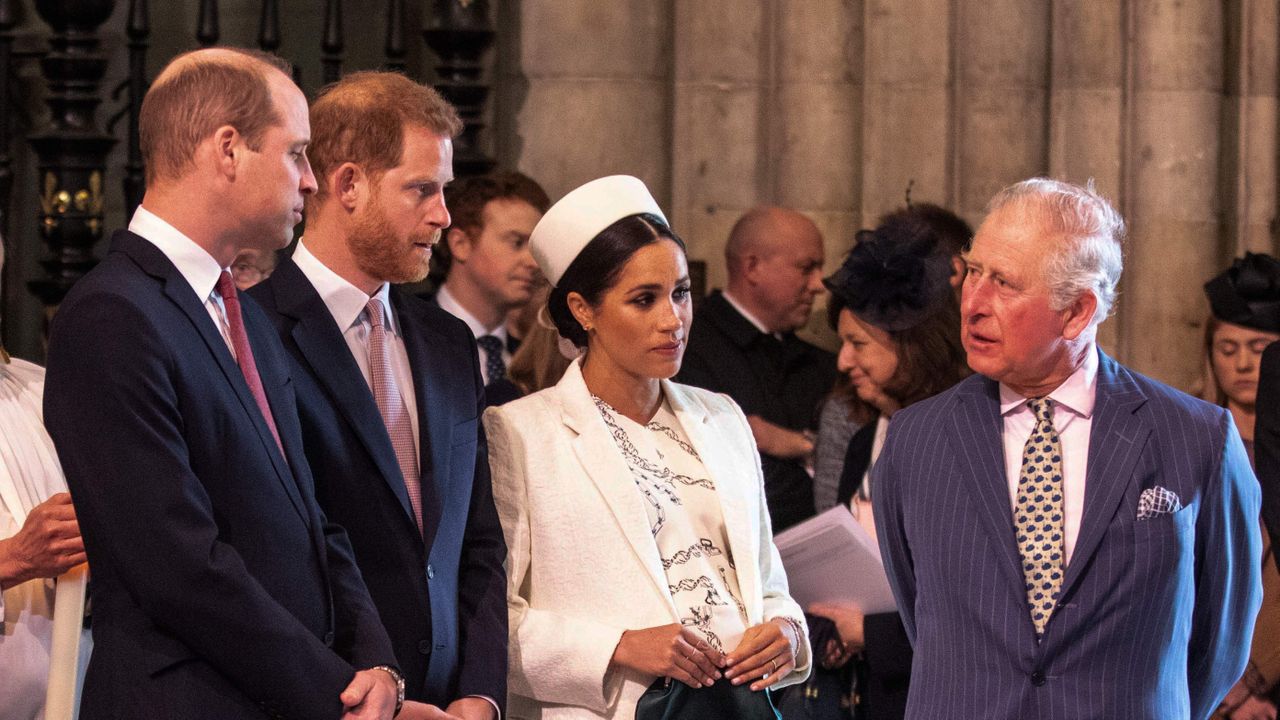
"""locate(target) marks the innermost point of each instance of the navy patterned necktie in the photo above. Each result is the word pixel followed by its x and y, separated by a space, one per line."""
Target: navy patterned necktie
pixel 1038 515
pixel 494 366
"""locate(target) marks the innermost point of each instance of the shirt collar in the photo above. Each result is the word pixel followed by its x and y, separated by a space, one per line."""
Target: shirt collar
pixel 450 304
pixel 194 263
pixel 346 302
pixel 1077 393
pixel 743 312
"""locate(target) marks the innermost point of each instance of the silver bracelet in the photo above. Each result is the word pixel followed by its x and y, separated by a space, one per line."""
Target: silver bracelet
pixel 797 630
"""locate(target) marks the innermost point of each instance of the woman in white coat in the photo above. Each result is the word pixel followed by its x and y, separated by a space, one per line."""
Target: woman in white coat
pixel 641 567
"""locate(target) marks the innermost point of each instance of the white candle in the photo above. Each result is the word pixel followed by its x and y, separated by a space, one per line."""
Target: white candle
pixel 64 656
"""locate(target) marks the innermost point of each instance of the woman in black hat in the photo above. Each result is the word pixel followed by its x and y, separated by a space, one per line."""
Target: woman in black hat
pixel 1244 303
pixel 899 324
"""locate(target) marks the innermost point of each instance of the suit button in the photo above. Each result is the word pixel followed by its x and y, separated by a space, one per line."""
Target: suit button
pixel 431 572
pixel 1037 678
pixel 328 638
pixel 424 647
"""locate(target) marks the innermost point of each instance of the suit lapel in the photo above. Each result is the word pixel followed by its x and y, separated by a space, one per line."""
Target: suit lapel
pixel 977 429
pixel 608 472
pixel 178 291
pixel 726 472
pixel 1116 439
pixel 435 421
pixel 322 345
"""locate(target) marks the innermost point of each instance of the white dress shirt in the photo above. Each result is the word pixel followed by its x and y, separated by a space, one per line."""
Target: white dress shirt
pixel 449 304
pixel 1073 403
pixel 194 263
pixel 346 304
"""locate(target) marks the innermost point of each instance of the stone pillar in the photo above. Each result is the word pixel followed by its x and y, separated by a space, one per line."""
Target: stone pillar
pixel 722 101
pixel 1249 128
pixel 1088 104
pixel 906 106
pixel 1175 126
pixel 597 94
pixel 816 117
pixel 1001 99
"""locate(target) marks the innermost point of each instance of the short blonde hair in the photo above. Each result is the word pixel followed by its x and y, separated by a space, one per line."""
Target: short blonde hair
pixel 362 117
pixel 199 92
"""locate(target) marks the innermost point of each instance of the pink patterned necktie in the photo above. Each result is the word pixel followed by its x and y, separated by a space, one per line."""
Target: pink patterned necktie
pixel 244 353
pixel 392 406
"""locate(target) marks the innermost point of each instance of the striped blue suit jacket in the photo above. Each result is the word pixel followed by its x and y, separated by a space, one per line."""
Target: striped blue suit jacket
pixel 1155 615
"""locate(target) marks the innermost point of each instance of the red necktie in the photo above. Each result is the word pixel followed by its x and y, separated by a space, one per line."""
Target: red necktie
pixel 244 354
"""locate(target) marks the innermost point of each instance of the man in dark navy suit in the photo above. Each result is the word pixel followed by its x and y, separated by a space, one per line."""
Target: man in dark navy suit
pixel 220 590
pixel 1066 539
pixel 389 390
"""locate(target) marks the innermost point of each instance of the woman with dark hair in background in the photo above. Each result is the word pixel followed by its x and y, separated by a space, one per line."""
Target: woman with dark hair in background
pixel 1244 304
pixel 899 327
pixel 842 413
pixel 639 550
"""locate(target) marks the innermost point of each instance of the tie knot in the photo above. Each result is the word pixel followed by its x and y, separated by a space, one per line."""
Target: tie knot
pixel 1043 409
pixel 377 317
pixel 490 344
pixel 225 287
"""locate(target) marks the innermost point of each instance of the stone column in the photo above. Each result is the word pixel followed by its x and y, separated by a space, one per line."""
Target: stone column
pixel 906 106
pixel 1249 128
pixel 721 104
pixel 817 117
pixel 1175 126
pixel 1088 104
pixel 1001 99
pixel 597 93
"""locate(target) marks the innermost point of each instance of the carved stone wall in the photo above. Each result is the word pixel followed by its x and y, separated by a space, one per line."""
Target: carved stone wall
pixel 834 106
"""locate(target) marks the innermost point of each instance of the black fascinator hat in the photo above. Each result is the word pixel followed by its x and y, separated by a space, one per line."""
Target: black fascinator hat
pixel 1248 293
pixel 896 276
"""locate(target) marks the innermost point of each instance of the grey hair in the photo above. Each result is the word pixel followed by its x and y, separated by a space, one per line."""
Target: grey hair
pixel 1089 255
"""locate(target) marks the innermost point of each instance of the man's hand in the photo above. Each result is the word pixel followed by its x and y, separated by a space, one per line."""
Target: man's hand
pixel 48 544
pixel 370 696
pixel 473 708
pixel 672 651
pixel 778 441
pixel 1254 708
pixel 422 711
pixel 766 654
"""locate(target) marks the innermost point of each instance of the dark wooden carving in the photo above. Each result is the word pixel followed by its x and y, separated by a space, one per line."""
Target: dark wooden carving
pixel 395 48
pixel 139 31
pixel 72 151
pixel 269 26
pixel 207 31
pixel 8 19
pixel 331 45
pixel 459 32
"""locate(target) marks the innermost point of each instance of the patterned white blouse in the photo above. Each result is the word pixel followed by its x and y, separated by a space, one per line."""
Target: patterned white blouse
pixel 686 521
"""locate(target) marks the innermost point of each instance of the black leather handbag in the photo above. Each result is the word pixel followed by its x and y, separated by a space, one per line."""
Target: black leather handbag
pixel 672 700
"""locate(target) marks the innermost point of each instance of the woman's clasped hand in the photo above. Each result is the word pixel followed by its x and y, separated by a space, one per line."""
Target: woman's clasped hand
pixel 766 653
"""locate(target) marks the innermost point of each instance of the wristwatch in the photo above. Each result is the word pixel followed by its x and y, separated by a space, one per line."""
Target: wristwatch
pixel 395 675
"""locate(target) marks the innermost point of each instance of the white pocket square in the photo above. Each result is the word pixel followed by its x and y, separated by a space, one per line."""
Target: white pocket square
pixel 1157 501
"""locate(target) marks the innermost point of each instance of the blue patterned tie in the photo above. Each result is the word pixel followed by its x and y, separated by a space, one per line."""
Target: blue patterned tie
pixel 494 366
pixel 1038 515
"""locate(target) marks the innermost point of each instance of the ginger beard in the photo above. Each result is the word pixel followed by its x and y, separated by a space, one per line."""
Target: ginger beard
pixel 382 252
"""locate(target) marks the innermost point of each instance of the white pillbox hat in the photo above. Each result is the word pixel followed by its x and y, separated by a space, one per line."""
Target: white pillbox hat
pixel 579 216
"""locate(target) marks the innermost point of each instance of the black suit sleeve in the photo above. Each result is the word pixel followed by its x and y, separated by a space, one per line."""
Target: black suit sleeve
pixel 888 651
pixel 113 410
pixel 1266 442
pixel 482 583
pixel 361 637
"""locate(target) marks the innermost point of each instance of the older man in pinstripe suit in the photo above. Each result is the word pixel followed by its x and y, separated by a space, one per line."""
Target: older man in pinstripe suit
pixel 1066 538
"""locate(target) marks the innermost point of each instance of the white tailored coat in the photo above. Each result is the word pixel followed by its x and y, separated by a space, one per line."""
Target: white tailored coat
pixel 582 564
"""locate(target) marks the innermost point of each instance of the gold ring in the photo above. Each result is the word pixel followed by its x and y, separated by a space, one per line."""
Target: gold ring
pixel 775 665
